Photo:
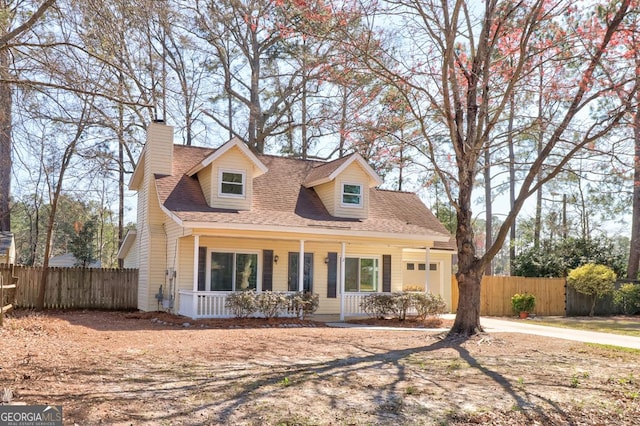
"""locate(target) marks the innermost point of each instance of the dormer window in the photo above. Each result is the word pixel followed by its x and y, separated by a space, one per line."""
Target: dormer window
pixel 351 195
pixel 232 183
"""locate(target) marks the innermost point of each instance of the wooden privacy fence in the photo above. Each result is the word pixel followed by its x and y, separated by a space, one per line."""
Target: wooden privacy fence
pixel 7 294
pixel 77 288
pixel 496 292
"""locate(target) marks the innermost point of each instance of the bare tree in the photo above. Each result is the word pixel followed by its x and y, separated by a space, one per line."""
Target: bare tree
pixel 12 30
pixel 467 63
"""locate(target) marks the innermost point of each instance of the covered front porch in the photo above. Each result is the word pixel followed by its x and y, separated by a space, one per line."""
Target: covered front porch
pixel 212 304
pixel 208 268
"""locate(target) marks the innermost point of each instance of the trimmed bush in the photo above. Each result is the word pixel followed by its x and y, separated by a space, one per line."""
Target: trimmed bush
pixel 270 303
pixel 398 304
pixel 378 305
pixel 242 303
pixel 402 302
pixel 628 298
pixel 304 304
pixel 428 304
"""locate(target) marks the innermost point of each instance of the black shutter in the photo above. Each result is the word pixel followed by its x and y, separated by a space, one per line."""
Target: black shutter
pixel 202 265
pixel 386 273
pixel 267 270
pixel 332 275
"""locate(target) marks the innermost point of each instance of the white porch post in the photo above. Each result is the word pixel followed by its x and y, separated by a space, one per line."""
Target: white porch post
pixel 196 255
pixel 426 270
pixel 301 267
pixel 342 276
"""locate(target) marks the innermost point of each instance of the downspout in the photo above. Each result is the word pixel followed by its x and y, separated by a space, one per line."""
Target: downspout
pixel 342 276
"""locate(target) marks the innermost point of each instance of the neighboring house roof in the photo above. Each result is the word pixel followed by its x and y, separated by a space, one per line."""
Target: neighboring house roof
pixel 127 243
pixel 6 239
pixel 446 245
pixel 68 260
pixel 280 199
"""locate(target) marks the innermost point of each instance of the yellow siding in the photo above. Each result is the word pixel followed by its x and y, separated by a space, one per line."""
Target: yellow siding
pixel 131 260
pixel 185 272
pixel 439 281
pixel 159 150
pixel 157 265
pixel 232 160
pixel 205 179
pixel 151 239
pixel 354 174
pixel 327 194
pixel 282 248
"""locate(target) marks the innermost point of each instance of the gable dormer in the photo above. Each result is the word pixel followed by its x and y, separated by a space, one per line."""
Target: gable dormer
pixel 226 176
pixel 343 186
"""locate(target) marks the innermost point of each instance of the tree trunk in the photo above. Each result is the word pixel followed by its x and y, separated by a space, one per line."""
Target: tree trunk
pixel 634 250
pixel 6 104
pixel 593 306
pixel 470 270
pixel 488 225
pixel 343 122
pixel 467 320
pixel 512 184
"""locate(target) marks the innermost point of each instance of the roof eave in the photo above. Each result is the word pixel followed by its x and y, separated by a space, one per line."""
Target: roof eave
pixel 260 168
pixel 319 230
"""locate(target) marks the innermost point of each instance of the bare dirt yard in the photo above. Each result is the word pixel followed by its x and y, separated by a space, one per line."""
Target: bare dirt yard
pixel 129 369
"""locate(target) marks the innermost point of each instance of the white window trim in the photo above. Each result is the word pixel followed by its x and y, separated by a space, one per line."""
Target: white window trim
pixel 342 194
pixel 244 183
pixel 233 284
pixel 379 278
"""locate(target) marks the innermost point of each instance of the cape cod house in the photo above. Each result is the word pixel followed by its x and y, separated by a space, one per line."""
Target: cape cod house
pixel 215 221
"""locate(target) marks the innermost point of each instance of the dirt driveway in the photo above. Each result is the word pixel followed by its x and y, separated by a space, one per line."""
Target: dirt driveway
pixel 109 368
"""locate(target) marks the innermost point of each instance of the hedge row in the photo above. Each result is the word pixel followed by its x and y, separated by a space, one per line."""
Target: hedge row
pixel 269 304
pixel 398 304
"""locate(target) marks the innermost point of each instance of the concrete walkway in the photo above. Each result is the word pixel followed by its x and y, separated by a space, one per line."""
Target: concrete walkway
pixel 494 325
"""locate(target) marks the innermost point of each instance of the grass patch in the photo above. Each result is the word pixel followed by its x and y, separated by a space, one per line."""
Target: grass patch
pixel 604 325
pixel 614 348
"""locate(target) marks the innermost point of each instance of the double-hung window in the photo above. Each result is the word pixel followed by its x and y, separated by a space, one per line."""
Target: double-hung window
pixel 362 274
pixel 230 271
pixel 351 195
pixel 232 183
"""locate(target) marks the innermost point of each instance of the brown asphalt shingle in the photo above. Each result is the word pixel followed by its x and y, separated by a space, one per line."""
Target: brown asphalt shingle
pixel 280 199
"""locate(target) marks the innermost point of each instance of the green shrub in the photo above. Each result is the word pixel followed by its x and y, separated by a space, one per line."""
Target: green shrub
pixel 304 303
pixel 242 303
pixel 593 280
pixel 628 298
pixel 523 302
pixel 428 304
pixel 270 303
pixel 378 305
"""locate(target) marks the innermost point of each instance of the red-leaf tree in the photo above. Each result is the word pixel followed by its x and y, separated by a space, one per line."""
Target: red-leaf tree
pixel 459 67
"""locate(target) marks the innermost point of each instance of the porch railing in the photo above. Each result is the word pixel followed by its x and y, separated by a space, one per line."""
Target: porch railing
pixel 211 304
pixel 352 303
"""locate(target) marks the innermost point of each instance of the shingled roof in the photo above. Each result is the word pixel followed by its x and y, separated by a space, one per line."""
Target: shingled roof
pixel 281 200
